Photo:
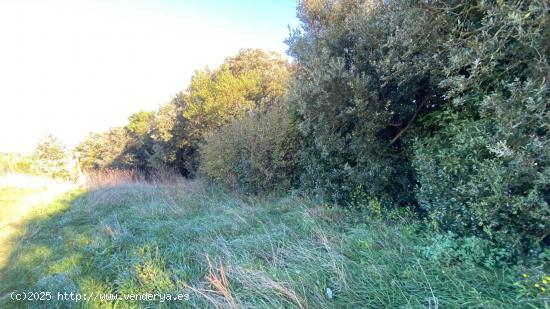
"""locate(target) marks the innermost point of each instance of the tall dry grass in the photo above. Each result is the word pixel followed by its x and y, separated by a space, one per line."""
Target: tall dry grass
pixel 110 177
pixel 120 177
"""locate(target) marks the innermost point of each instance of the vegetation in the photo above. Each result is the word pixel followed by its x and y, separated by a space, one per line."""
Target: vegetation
pixel 490 175
pixel 171 137
pixel 15 163
pixel 440 107
pixel 365 73
pixel 50 158
pixel 230 251
pixel 10 198
pixel 102 150
pixel 411 138
pixel 255 154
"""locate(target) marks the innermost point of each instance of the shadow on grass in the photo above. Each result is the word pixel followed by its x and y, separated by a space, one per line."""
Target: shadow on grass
pixel 77 244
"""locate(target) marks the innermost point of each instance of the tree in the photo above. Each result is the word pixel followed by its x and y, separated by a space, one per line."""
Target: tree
pixel 50 158
pixel 251 79
pixel 171 136
pixel 214 98
pixel 139 123
pixel 104 150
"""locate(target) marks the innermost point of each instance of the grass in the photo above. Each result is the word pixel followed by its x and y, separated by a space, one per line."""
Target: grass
pixel 10 198
pixel 232 251
pixel 15 204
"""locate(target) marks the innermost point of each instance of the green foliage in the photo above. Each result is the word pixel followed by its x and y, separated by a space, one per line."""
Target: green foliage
pixel 253 154
pixel 449 249
pixel 485 171
pixel 472 189
pixel 138 123
pixel 170 137
pixel 15 163
pixel 251 80
pixel 365 73
pixel 173 145
pixel 361 201
pixel 104 150
pixel 434 107
pixel 138 148
pixel 51 158
pixel 128 147
pixel 450 98
pixel 437 107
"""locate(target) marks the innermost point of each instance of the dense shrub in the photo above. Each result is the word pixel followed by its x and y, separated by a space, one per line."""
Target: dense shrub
pixel 472 183
pixel 255 153
pixel 250 80
pixel 486 170
pixel 365 73
pixel 449 97
pixel 448 249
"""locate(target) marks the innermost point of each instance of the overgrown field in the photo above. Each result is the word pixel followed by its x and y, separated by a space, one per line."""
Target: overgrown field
pixel 237 251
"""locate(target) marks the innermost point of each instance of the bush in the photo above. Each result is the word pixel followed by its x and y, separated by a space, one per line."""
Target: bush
pixel 450 97
pixel 253 154
pixel 473 182
pixel 450 249
pixel 485 172
pixel 365 73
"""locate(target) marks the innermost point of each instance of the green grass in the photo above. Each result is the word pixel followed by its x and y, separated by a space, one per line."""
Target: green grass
pixel 10 198
pixel 15 205
pixel 230 251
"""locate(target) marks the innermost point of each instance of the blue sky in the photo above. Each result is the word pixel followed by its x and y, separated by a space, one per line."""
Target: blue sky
pixel 74 66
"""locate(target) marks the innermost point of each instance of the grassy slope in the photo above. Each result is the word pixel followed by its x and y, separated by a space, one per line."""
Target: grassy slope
pixel 227 251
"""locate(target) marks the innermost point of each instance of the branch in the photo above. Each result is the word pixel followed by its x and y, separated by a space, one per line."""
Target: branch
pixel 407 127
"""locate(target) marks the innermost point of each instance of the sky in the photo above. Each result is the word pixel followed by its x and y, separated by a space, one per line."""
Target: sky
pixel 72 67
